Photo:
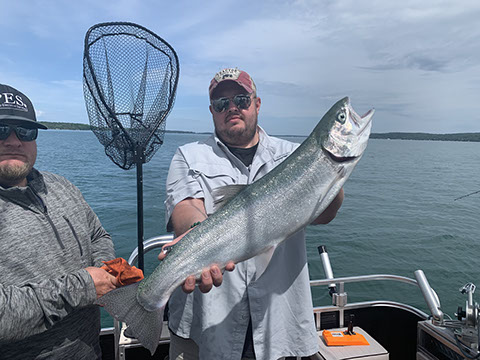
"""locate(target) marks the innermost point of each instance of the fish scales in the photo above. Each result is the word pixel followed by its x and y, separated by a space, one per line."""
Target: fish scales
pixel 253 222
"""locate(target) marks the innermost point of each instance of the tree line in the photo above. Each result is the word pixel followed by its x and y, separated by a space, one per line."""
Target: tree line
pixel 390 135
pixel 427 136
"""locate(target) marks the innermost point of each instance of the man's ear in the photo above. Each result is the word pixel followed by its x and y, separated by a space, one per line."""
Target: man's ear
pixel 258 102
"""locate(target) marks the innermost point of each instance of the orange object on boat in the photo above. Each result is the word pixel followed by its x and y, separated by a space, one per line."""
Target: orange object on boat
pixel 125 273
pixel 340 338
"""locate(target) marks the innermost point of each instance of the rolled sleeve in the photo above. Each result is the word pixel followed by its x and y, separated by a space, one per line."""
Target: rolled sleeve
pixel 181 184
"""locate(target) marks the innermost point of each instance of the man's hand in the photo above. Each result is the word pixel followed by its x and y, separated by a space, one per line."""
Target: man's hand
pixel 210 276
pixel 104 282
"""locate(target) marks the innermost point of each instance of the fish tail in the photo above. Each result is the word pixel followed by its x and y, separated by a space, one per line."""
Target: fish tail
pixel 144 325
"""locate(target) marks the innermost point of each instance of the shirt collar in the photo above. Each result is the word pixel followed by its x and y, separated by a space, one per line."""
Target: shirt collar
pixel 34 180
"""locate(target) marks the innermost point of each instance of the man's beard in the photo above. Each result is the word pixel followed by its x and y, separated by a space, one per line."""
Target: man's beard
pixel 13 174
pixel 239 137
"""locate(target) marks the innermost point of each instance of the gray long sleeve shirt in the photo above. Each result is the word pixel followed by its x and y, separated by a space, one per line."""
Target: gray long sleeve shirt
pixel 48 236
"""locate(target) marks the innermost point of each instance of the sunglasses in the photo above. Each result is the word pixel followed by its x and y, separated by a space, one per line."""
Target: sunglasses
pixel 23 133
pixel 241 101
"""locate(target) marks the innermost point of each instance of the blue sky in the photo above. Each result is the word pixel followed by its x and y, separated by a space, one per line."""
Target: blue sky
pixel 416 62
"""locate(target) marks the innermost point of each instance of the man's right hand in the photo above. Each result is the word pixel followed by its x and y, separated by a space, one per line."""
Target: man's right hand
pixel 104 282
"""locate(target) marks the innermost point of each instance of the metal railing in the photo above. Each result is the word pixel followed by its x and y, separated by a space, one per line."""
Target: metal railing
pixel 150 244
pixel 339 298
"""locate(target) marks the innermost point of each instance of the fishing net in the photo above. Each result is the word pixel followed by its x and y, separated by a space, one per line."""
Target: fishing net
pixel 130 77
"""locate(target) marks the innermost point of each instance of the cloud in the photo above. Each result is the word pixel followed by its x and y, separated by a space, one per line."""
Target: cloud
pixel 416 62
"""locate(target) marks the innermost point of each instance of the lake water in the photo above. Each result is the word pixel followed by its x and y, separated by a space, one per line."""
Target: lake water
pixel 399 213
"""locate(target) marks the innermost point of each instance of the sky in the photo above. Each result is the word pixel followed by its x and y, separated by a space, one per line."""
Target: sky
pixel 416 62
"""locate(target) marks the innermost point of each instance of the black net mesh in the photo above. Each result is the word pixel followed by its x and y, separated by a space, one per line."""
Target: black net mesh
pixel 130 77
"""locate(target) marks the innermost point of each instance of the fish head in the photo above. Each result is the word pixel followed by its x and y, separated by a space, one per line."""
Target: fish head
pixel 343 133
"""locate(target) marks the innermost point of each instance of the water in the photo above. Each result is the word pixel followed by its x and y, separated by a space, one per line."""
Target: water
pixel 399 213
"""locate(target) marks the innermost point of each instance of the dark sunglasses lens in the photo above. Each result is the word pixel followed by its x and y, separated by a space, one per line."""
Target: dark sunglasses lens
pixel 26 134
pixel 4 131
pixel 23 134
pixel 220 105
pixel 242 101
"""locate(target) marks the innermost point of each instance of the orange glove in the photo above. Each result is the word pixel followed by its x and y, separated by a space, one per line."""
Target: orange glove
pixel 124 272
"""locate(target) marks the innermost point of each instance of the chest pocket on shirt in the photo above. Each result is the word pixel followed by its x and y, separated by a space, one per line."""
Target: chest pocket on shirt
pixel 214 175
pixel 211 177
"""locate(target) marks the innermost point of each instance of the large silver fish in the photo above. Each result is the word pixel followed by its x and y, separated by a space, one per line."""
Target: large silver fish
pixel 254 221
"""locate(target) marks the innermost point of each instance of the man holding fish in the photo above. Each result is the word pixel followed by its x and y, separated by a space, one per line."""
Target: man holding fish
pixel 263 309
pixel 242 199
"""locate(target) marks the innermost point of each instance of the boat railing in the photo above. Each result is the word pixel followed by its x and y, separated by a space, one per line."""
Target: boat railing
pixel 150 244
pixel 339 295
pixel 339 298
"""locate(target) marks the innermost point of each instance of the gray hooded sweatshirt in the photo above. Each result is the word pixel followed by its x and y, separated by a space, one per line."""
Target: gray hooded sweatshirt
pixel 48 236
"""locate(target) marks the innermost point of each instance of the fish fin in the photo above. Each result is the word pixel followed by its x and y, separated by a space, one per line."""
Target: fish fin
pixel 262 260
pixel 144 325
pixel 223 194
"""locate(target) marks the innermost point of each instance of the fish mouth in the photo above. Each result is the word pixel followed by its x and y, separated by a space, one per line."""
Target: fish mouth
pixel 367 125
pixel 339 159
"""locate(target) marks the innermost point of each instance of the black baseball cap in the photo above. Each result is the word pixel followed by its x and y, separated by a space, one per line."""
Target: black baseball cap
pixel 16 108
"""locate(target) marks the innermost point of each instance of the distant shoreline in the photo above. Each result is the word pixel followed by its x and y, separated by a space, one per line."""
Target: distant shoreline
pixel 76 126
pixel 466 137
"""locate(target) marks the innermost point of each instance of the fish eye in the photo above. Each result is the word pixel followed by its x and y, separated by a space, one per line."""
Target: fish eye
pixel 341 117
